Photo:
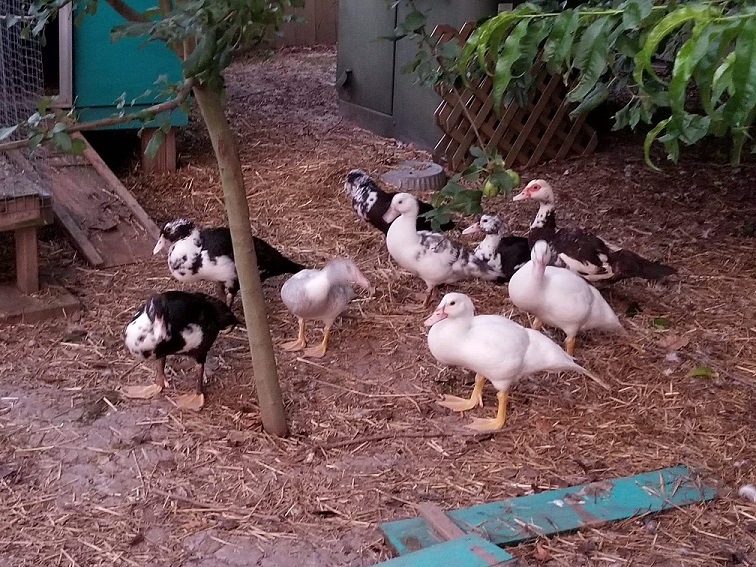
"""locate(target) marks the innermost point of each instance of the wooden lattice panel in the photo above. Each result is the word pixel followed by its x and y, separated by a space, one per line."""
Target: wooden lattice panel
pixel 540 131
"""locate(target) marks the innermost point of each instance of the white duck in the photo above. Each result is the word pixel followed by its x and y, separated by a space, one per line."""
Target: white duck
pixel 495 348
pixel 560 298
pixel 431 256
pixel 323 295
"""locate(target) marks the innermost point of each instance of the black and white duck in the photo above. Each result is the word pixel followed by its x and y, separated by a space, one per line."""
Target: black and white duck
pixel 370 202
pixel 431 256
pixel 176 322
pixel 208 254
pixel 580 251
pixel 505 254
pixel 321 295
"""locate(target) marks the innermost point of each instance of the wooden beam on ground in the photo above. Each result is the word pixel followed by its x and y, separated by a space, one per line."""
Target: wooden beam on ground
pixel 515 520
pixel 467 551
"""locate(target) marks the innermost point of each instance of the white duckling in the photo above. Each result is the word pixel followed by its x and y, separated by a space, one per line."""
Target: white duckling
pixel 495 348
pixel 323 295
pixel 560 298
pixel 433 257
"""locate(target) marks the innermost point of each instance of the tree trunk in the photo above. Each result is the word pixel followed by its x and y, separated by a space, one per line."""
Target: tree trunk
pixel 235 197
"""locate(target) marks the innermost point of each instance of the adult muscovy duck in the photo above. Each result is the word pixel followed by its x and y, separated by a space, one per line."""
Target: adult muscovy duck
pixel 495 348
pixel 176 322
pixel 582 252
pixel 560 298
pixel 323 295
pixel 505 254
pixel 429 255
pixel 370 202
pixel 208 254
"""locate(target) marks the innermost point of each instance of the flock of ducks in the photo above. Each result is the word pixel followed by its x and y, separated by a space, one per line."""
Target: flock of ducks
pixel 549 274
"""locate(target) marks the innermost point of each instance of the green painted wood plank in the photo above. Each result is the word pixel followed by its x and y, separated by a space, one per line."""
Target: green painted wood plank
pixel 466 551
pixel 518 519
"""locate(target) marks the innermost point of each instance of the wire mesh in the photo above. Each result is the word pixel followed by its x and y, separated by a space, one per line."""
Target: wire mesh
pixel 21 80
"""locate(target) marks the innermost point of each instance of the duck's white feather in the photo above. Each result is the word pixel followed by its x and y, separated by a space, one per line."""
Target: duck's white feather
pixel 431 256
pixel 495 346
pixel 562 299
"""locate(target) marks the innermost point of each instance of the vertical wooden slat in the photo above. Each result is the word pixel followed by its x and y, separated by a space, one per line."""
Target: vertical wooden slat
pixel 27 268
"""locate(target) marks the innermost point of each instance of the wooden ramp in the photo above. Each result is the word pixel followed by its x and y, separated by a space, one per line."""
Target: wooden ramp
pixel 104 221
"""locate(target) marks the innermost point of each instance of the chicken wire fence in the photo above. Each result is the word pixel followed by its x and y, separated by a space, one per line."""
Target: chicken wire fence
pixel 21 81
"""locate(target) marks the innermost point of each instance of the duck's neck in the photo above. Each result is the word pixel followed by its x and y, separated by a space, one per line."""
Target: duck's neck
pixel 405 226
pixel 319 286
pixel 544 224
pixel 488 245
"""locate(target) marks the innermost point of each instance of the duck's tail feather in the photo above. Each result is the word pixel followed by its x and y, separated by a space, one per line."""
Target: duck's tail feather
pixel 592 376
pixel 627 262
pixel 474 267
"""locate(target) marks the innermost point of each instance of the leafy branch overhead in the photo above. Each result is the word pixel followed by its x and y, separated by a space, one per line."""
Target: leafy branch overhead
pixel 687 68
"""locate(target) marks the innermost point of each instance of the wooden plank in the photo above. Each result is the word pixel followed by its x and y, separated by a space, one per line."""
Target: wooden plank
pixel 78 237
pixel 554 511
pixel 467 551
pixel 439 521
pixel 20 213
pixel 27 266
pixel 165 159
pixel 118 188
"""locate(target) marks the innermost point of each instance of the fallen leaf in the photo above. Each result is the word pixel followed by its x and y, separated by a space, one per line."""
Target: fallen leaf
pixel 661 322
pixel 702 370
pixel 541 553
pixel 673 342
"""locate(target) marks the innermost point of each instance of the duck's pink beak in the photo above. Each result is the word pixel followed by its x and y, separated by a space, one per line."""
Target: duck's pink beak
pixel 438 315
pixel 524 194
pixel 472 229
pixel 390 215
pixel 162 241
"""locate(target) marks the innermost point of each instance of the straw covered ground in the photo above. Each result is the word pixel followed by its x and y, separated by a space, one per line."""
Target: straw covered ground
pixel 88 479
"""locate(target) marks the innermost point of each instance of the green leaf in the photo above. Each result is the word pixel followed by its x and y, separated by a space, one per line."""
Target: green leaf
pixel 650 137
pixel 635 11
pixel 694 128
pixel 476 152
pixel 506 60
pixel 154 144
pixel 686 60
pixel 62 141
pixel 591 58
pixel 660 322
pixel 449 49
pixel 594 98
pixel 6 132
pixel 35 141
pixel 743 97
pixel 722 80
pixel 77 146
pixel 414 21
pixel 559 44
pixel 702 371
pixel 662 29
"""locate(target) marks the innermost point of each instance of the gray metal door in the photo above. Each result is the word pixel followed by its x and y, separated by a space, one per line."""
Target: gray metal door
pixel 365 64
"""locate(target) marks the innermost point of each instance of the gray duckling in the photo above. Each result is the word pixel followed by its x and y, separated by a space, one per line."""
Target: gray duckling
pixel 322 295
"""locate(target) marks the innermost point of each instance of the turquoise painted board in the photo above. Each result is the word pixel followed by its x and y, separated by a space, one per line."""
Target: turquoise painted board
pixel 554 511
pixel 465 551
pixel 104 69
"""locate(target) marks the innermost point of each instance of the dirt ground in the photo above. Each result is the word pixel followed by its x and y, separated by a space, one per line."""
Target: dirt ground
pixel 88 479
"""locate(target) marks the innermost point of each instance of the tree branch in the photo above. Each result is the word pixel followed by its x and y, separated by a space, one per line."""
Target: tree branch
pixel 126 11
pixel 170 104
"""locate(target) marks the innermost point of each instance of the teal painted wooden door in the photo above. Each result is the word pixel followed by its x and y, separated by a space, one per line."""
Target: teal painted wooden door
pixel 103 69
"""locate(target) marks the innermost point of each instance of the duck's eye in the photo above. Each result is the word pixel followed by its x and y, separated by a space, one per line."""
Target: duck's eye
pixel 452 303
